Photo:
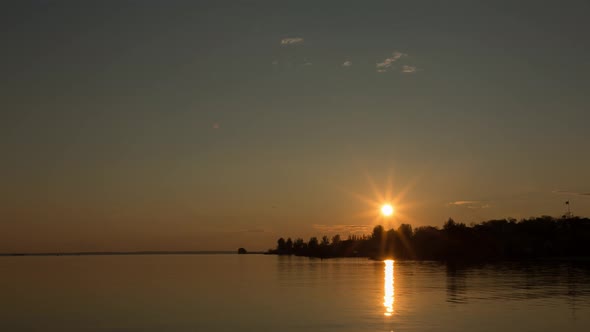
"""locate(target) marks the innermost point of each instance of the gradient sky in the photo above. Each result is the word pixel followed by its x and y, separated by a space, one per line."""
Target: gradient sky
pixel 211 125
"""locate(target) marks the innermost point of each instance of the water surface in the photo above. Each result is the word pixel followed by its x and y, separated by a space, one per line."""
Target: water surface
pixel 271 293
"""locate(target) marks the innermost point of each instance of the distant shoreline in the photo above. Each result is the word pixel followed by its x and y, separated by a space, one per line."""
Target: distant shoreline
pixel 126 253
pixel 542 237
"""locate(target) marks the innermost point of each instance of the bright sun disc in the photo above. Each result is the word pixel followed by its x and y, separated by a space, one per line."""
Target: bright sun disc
pixel 387 210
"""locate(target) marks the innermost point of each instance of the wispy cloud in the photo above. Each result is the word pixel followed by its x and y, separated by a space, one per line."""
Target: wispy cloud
pixel 291 41
pixel 576 193
pixel 463 202
pixel 343 229
pixel 387 64
pixel 408 69
pixel 471 204
pixel 347 63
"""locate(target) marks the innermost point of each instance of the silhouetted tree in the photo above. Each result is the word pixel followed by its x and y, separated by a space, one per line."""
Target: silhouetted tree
pixel 299 247
pixel 405 231
pixel 289 246
pixel 428 242
pixel 313 243
pixel 377 233
pixel 405 236
pixel 450 224
pixel 336 240
pixel 281 246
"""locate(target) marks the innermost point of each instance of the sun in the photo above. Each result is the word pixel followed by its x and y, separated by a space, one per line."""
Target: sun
pixel 386 206
pixel 387 210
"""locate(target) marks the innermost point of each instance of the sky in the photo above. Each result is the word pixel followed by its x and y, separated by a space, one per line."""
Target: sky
pixel 213 125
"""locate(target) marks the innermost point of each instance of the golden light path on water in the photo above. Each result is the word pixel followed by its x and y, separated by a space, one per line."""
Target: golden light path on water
pixel 389 288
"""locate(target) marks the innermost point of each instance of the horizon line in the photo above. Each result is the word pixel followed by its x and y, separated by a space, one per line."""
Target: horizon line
pixel 123 253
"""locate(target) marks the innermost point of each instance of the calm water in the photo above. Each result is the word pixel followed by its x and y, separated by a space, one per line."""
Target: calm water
pixel 270 293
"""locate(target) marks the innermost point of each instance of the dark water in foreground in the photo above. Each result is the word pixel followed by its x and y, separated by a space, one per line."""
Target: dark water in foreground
pixel 270 293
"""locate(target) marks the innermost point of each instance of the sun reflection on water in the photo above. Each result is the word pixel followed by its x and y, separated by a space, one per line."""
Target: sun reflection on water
pixel 389 288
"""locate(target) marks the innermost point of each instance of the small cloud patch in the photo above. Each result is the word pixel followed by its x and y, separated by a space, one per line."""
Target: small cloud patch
pixel 291 41
pixel 387 63
pixel 408 69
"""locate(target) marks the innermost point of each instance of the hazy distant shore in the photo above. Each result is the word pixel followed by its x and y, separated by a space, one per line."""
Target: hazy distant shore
pixel 128 253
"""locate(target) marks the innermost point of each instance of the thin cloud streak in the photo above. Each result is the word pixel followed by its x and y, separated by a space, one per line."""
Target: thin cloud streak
pixel 463 202
pixel 565 192
pixel 291 41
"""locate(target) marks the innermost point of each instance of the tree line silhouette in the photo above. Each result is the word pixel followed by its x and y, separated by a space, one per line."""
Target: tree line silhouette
pixel 490 240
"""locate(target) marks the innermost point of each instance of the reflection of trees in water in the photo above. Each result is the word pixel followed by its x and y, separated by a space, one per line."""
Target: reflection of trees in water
pixel 520 281
pixel 293 269
pixel 572 291
pixel 303 271
pixel 456 283
pixel 578 286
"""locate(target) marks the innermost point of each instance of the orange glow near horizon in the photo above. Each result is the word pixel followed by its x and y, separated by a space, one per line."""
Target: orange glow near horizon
pixel 389 289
